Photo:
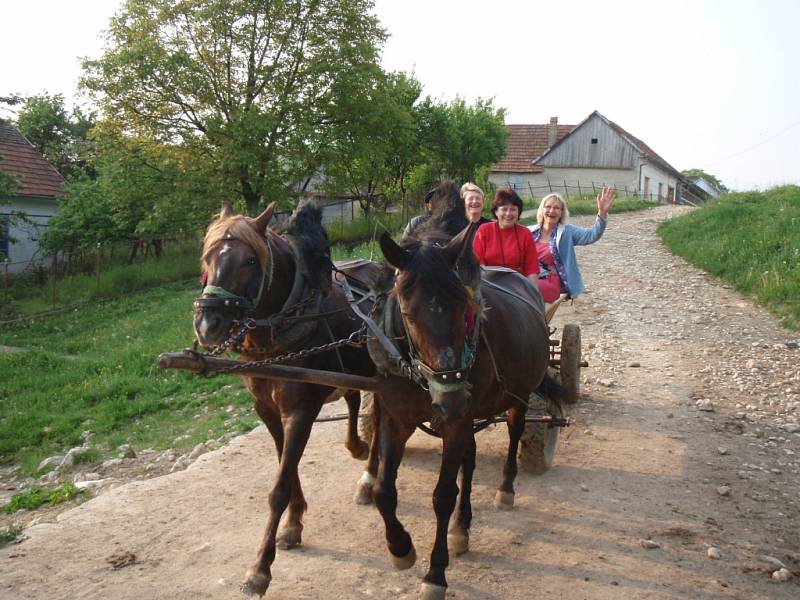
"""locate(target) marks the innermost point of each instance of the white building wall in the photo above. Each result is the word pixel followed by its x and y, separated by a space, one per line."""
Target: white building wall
pixel 656 176
pixel 26 247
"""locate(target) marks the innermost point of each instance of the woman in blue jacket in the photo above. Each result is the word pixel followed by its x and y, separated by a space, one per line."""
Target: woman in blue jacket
pixel 556 240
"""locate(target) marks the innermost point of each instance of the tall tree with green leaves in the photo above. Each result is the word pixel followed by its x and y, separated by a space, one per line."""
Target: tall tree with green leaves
pixel 61 137
pixel 246 87
pixel 459 138
pixel 368 158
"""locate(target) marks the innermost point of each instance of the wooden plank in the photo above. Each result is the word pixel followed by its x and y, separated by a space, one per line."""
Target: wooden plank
pixel 196 363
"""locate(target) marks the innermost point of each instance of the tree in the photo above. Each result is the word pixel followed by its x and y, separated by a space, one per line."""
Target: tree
pixel 459 138
pixel 60 137
pixel 245 87
pixel 369 157
pixel 707 176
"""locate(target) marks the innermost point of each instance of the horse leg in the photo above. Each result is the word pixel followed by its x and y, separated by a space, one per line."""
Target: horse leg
pixel 291 532
pixel 457 437
pixel 358 449
pixel 364 488
pixel 504 497
pixel 458 535
pixel 393 438
pixel 297 430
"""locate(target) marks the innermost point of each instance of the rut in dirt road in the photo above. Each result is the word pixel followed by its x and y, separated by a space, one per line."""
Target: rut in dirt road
pixel 678 479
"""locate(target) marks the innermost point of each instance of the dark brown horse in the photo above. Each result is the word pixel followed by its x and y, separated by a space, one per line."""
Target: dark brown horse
pixel 481 345
pixel 273 294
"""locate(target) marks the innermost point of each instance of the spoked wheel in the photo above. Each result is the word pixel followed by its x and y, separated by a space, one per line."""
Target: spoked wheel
pixel 570 364
pixel 538 444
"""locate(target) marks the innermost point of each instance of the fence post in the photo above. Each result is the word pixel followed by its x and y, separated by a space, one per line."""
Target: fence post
pixel 5 279
pixel 180 254
pixel 53 272
pixel 97 270
pixel 549 185
pixel 580 192
pixel 566 191
pixel 594 191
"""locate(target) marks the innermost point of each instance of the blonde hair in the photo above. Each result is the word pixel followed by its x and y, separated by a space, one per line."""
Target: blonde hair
pixel 236 227
pixel 564 209
pixel 471 188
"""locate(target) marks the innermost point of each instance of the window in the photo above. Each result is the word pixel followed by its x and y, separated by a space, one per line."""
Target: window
pixel 594 140
pixel 3 240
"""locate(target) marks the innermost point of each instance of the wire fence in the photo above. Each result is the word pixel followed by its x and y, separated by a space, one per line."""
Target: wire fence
pixel 568 189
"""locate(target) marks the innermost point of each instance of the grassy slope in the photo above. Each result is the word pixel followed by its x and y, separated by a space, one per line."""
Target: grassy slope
pixel 94 369
pixel 751 240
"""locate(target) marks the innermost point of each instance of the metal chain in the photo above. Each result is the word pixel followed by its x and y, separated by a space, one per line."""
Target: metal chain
pixel 354 339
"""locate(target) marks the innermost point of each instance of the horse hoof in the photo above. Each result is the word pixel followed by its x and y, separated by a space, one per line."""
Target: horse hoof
pixel 428 591
pixel 290 537
pixel 503 500
pixel 363 494
pixel 405 562
pixel 256 584
pixel 457 543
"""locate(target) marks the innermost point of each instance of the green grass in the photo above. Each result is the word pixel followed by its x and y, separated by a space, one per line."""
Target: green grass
pixel 751 240
pixel 9 534
pixel 36 292
pixel 37 496
pixel 93 368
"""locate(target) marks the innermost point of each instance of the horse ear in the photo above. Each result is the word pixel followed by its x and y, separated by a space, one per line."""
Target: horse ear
pixel 460 244
pixel 395 255
pixel 227 210
pixel 262 220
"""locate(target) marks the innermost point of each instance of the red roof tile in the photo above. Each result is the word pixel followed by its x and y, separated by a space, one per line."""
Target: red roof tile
pixel 18 156
pixel 524 144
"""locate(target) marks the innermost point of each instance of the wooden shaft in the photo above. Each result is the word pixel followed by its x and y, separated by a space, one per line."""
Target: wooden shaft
pixel 186 361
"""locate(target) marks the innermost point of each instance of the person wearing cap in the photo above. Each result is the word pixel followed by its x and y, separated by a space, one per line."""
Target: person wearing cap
pixel 416 222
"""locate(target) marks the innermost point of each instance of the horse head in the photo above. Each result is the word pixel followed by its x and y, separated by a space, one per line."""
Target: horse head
pixel 237 267
pixel 436 287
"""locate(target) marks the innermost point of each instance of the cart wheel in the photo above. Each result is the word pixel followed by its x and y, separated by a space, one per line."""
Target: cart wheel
pixel 365 417
pixel 570 367
pixel 538 444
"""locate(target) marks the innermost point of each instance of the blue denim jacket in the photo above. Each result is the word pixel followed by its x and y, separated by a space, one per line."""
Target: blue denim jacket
pixel 567 237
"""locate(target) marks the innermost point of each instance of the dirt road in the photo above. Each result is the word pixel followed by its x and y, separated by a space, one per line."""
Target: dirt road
pixel 679 478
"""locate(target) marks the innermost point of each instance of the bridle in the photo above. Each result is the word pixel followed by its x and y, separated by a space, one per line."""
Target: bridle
pixel 219 298
pixel 451 380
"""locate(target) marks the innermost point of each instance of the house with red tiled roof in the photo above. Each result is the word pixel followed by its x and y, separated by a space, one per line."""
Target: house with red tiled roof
pixel 39 186
pixel 583 158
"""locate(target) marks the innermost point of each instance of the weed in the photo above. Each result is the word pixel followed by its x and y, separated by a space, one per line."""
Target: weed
pixel 9 534
pixel 37 496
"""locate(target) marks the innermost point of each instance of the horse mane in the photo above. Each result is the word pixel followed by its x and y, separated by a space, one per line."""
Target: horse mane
pixel 304 232
pixel 238 227
pixel 448 217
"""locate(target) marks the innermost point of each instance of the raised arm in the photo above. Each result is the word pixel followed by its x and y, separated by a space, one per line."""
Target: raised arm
pixel 605 200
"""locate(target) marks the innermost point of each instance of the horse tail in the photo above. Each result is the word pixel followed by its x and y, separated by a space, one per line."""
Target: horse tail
pixel 552 389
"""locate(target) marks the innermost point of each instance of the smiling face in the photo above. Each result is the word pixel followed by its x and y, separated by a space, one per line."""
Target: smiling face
pixel 473 204
pixel 507 215
pixel 553 212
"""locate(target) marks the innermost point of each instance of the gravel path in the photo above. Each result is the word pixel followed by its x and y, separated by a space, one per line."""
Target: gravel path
pixel 679 478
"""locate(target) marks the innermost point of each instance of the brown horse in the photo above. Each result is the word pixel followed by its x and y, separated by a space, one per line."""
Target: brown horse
pixel 480 342
pixel 275 293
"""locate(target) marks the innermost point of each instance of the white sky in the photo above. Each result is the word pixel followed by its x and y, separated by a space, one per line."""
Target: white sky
pixel 711 84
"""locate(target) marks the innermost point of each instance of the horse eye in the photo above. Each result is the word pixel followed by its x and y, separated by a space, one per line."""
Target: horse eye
pixel 251 261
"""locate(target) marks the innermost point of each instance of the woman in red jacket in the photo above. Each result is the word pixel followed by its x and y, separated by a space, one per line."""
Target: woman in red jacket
pixel 506 243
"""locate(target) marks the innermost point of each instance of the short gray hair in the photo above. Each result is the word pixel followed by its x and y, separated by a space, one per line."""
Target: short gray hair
pixel 471 188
